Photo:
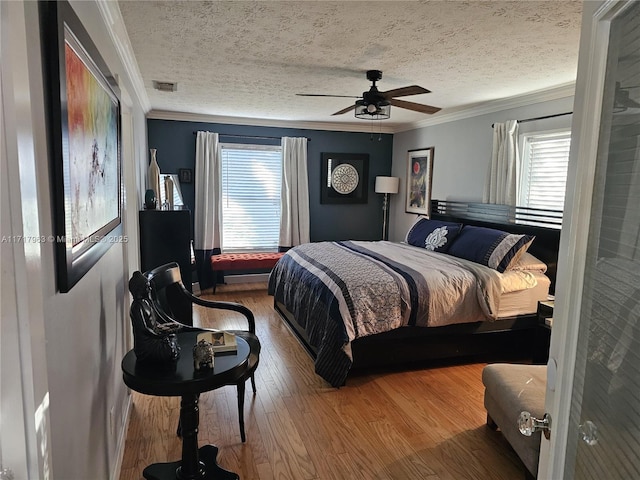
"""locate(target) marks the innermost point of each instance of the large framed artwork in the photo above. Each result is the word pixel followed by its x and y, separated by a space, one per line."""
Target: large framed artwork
pixel 84 144
pixel 419 174
pixel 344 177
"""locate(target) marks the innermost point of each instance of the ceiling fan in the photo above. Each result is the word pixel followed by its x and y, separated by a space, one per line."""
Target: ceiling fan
pixel 376 105
pixel 622 101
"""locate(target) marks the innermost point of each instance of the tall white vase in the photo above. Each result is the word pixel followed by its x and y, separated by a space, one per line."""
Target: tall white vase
pixel 153 175
pixel 168 192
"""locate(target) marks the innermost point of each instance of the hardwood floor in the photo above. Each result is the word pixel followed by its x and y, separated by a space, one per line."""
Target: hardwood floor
pixel 420 424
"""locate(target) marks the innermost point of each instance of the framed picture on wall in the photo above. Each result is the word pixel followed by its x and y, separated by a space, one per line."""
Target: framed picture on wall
pixel 344 177
pixel 84 139
pixel 419 175
pixel 185 175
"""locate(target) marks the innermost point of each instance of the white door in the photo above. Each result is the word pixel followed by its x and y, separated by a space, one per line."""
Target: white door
pixel 13 444
pixel 595 400
pixel 24 415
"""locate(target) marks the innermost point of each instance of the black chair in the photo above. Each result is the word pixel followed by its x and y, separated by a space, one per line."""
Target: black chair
pixel 169 295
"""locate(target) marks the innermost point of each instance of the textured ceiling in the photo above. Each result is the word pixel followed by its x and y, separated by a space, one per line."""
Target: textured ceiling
pixel 248 59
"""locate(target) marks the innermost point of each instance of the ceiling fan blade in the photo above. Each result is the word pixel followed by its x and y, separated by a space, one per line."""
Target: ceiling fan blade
pixel 630 103
pixel 321 95
pixel 622 100
pixel 344 110
pixel 405 91
pixel 416 107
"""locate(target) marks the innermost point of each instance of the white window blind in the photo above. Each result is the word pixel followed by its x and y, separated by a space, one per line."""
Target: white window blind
pixel 251 179
pixel 544 170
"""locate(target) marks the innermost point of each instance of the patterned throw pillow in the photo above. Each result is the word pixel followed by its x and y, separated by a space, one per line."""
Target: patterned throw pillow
pixel 494 248
pixel 433 235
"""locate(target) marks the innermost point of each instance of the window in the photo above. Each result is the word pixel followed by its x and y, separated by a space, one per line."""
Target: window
pixel 251 179
pixel 545 157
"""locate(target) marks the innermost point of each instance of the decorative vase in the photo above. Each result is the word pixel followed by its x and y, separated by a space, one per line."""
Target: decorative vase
pixel 153 175
pixel 168 192
pixel 150 199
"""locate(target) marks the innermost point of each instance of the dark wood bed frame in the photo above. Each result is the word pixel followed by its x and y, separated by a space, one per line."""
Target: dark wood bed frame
pixel 505 339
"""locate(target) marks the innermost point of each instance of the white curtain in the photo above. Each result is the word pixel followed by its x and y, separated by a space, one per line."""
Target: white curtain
pixel 294 203
pixel 501 186
pixel 207 214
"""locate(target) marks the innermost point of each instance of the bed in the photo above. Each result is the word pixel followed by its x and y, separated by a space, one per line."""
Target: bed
pixel 465 283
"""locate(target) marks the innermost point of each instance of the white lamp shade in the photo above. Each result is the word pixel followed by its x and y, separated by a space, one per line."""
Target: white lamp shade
pixel 387 184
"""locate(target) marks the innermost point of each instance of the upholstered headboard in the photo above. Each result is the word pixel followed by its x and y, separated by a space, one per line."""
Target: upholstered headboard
pixel 544 224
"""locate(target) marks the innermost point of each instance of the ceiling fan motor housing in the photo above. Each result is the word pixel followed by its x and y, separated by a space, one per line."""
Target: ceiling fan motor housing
pixel 374 75
pixel 373 97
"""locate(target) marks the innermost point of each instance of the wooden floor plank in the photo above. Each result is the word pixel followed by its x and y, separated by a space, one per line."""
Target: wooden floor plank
pixel 416 424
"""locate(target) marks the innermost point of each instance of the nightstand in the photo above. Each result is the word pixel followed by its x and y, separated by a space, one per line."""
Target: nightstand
pixel 542 337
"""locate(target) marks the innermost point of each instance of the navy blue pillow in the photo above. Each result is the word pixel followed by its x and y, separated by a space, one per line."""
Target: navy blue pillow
pixel 490 247
pixel 433 234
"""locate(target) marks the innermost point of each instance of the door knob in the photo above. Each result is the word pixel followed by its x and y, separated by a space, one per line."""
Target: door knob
pixel 528 424
pixel 589 433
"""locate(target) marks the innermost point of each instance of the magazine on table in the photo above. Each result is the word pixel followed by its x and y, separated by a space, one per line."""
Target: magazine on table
pixel 223 342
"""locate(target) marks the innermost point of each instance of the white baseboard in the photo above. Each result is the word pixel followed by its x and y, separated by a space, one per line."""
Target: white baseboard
pixel 122 437
pixel 248 278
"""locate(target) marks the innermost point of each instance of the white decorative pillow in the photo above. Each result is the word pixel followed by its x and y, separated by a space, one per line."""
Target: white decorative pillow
pixel 515 280
pixel 528 262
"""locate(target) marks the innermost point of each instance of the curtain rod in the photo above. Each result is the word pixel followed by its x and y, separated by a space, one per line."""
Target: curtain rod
pixel 257 137
pixel 541 118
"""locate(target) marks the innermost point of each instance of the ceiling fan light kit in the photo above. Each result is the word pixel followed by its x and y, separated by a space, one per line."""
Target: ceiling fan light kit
pixel 376 105
pixel 372 111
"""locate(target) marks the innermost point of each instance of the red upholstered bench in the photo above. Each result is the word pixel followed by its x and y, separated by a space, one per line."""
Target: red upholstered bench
pixel 243 261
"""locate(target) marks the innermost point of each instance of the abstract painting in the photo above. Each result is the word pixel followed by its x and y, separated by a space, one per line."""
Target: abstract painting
pixel 419 173
pixel 93 136
pixel 84 142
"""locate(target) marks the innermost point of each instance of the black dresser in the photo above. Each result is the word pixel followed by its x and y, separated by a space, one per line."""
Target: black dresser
pixel 165 236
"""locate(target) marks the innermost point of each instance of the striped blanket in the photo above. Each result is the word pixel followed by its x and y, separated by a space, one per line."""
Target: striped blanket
pixel 341 291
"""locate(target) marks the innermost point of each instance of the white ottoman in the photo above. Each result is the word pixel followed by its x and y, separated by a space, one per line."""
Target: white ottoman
pixel 510 389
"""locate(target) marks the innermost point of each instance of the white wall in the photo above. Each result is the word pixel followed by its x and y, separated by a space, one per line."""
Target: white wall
pixel 87 330
pixel 462 154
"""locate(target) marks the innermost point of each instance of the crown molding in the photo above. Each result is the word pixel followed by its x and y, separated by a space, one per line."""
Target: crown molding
pixel 112 18
pixel 562 91
pixel 259 122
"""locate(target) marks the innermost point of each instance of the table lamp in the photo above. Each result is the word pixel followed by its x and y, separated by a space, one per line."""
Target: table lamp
pixel 386 185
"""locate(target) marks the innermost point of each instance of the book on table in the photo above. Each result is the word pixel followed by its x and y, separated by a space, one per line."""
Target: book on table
pixel 223 342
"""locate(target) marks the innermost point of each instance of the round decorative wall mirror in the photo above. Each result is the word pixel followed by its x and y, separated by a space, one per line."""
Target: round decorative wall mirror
pixel 345 178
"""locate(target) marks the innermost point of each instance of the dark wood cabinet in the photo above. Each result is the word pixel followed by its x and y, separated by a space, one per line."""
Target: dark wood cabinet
pixel 165 236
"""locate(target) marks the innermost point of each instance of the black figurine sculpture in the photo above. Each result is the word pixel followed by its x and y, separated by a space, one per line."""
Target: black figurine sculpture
pixel 152 341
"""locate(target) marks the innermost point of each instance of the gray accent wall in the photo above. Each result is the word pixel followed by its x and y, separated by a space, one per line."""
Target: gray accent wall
pixel 463 154
pixel 176 146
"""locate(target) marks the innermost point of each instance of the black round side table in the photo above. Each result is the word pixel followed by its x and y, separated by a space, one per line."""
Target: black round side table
pixel 180 379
